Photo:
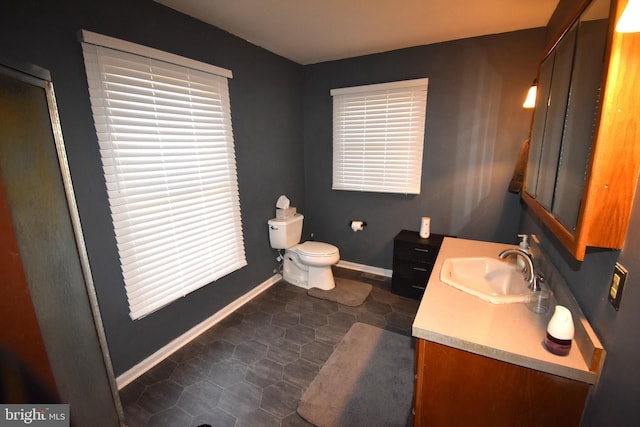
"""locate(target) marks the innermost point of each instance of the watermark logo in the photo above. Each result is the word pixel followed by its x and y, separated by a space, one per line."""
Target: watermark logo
pixel 34 415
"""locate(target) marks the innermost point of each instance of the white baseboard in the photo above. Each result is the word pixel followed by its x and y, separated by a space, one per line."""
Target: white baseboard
pixel 365 268
pixel 129 376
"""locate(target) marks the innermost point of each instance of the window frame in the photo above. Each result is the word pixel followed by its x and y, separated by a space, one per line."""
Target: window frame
pixel 192 148
pixel 378 136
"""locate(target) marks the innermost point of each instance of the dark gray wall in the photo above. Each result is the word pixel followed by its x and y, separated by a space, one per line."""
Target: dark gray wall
pixel 613 402
pixel 266 106
pixel 474 128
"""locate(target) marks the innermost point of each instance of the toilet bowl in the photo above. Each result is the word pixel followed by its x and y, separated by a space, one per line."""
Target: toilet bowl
pixel 307 264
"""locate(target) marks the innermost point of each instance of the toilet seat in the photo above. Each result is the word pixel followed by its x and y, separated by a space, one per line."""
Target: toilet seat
pixel 316 254
pixel 316 249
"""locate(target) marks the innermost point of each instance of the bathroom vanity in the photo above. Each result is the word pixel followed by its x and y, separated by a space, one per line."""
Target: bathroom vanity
pixel 479 363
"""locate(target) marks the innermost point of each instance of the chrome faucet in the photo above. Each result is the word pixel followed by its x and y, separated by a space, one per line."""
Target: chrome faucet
pixel 530 276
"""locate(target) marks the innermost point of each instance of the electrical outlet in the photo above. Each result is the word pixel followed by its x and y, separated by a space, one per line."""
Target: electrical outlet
pixel 617 284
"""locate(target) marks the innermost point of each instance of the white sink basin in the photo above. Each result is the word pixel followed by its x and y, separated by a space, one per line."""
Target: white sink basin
pixel 494 280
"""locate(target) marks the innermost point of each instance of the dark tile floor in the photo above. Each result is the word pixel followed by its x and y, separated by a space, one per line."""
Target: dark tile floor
pixel 251 368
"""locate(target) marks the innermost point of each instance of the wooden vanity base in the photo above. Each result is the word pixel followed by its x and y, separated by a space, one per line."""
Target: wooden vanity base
pixel 458 388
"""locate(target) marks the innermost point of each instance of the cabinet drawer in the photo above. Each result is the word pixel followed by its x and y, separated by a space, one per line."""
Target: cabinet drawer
pixel 413 272
pixel 420 254
pixel 407 289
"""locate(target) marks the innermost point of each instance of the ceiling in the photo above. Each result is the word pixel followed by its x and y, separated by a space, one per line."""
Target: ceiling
pixel 311 31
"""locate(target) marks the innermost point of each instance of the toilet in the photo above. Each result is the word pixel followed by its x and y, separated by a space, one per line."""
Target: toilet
pixel 307 264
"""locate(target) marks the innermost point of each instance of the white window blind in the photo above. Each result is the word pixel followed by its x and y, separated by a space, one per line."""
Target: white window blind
pixel 167 150
pixel 378 137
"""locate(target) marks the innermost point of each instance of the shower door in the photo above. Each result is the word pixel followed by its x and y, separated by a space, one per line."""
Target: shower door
pixel 39 206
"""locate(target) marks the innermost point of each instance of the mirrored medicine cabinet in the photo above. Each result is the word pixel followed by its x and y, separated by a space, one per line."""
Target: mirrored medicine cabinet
pixel 582 167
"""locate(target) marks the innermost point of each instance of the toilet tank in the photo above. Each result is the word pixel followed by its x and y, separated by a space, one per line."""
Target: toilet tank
pixel 285 233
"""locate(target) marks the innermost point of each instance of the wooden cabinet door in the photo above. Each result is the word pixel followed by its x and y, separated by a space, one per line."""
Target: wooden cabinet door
pixel 458 388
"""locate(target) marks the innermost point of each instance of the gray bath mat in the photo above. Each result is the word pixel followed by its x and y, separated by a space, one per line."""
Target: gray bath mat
pixel 367 381
pixel 346 292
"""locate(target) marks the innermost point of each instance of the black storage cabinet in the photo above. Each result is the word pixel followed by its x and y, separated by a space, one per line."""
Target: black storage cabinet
pixel 413 260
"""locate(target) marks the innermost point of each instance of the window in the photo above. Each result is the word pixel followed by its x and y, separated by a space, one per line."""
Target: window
pixel 378 137
pixel 164 130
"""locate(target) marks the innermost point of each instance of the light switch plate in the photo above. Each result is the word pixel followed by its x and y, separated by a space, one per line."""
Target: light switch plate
pixel 617 284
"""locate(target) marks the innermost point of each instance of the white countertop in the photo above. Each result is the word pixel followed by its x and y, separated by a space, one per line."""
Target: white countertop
pixel 507 332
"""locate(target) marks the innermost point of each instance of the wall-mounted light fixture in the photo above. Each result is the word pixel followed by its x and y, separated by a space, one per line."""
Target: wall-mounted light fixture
pixel 530 101
pixel 629 21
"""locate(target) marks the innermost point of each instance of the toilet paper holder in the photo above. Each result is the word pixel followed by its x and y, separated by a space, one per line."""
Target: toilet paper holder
pixel 357 225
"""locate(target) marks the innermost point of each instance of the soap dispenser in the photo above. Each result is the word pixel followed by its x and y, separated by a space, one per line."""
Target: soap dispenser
pixel 560 331
pixel 524 247
pixel 524 242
